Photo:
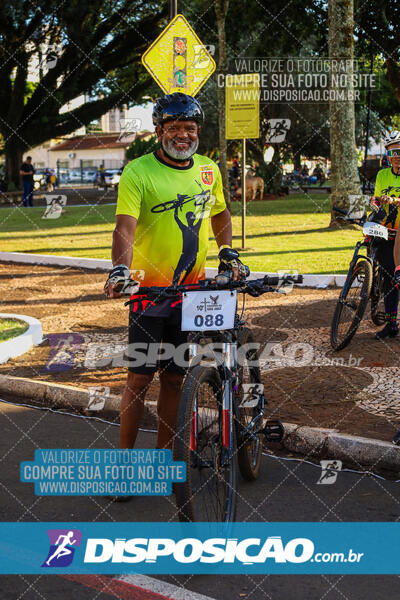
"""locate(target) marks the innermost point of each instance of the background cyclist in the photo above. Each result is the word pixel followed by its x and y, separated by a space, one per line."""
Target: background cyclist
pixel 152 241
pixel 387 186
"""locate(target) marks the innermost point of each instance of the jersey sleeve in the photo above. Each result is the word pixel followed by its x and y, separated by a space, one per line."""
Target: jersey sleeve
pixel 130 193
pixel 218 193
pixel 378 184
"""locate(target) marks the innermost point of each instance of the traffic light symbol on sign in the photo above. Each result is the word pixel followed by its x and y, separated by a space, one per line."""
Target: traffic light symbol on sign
pixel 180 62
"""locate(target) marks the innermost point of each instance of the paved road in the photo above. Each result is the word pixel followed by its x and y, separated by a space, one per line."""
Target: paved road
pixel 286 491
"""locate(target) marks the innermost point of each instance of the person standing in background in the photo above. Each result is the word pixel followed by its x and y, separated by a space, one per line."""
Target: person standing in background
pixel 27 172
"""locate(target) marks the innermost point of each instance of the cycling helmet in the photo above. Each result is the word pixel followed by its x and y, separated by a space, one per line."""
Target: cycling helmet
pixel 392 138
pixel 177 106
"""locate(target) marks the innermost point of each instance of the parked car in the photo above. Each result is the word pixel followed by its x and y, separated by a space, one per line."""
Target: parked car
pixel 112 177
pixel 89 175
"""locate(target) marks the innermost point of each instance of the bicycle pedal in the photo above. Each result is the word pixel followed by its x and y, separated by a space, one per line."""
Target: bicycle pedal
pixel 273 430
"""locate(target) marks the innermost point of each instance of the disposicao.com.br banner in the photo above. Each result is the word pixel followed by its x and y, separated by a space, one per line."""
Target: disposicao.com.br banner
pixel 280 548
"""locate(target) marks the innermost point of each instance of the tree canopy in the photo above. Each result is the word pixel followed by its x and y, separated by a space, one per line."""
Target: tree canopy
pixel 96 47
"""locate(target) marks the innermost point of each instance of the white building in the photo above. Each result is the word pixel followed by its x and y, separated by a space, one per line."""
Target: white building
pixel 111 135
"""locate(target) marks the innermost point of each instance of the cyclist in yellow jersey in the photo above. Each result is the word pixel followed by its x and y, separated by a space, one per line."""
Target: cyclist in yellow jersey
pixel 165 201
pixel 387 187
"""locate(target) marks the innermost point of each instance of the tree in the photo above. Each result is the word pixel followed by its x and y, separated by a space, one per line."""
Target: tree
pixel 344 174
pixel 262 29
pixel 99 44
pixel 377 26
pixel 139 147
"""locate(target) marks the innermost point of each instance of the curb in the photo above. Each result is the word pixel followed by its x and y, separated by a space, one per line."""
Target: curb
pixel 311 280
pixel 328 443
pixel 310 441
pixel 33 336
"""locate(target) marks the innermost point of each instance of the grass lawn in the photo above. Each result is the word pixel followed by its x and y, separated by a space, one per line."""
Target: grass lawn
pixel 10 328
pixel 291 232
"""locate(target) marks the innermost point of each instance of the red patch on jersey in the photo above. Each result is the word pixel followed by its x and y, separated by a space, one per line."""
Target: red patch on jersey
pixel 207 177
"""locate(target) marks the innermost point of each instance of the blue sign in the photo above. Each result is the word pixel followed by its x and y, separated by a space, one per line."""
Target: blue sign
pixel 201 548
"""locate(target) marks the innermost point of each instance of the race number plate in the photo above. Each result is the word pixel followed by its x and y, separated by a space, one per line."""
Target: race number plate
pixel 375 230
pixel 208 311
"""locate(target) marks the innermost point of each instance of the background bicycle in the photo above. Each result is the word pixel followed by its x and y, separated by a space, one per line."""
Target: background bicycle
pixel 364 282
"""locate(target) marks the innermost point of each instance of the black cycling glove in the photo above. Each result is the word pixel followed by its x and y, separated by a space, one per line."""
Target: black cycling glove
pixel 120 277
pixel 229 258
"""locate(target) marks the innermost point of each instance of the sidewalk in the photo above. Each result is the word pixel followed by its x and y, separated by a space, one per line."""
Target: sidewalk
pixel 354 391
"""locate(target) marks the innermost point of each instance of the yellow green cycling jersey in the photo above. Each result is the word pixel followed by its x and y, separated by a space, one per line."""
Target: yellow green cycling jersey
pixel 172 206
pixel 388 184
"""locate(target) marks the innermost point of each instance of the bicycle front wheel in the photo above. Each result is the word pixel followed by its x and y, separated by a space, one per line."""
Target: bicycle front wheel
pixel 249 450
pixel 351 305
pixel 378 314
pixel 209 492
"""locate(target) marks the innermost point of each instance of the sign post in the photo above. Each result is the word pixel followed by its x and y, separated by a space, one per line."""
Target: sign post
pixel 243 194
pixel 242 115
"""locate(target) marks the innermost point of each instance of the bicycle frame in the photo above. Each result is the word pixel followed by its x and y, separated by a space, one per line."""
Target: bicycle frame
pixel 369 256
pixel 227 365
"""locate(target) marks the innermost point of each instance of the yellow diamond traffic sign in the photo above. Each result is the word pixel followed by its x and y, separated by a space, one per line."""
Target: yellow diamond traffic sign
pixel 177 59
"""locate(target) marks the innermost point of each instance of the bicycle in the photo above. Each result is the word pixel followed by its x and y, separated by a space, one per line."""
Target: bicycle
pixel 220 422
pixel 364 282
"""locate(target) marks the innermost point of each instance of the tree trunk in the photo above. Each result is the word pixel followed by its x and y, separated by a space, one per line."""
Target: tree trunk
pixel 344 175
pixel 221 9
pixel 14 155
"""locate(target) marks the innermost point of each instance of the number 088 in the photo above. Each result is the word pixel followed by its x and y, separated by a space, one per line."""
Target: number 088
pixel 209 320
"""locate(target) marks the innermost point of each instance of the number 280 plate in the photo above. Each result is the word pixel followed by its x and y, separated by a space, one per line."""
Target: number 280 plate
pixel 208 311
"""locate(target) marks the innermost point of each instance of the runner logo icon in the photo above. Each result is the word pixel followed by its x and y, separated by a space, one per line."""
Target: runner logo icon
pixel 330 470
pixel 61 551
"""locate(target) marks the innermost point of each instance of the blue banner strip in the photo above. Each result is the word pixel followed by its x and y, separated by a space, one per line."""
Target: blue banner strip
pixel 201 548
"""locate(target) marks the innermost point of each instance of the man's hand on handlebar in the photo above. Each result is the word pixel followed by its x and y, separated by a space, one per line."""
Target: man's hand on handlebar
pixel 119 283
pixel 229 261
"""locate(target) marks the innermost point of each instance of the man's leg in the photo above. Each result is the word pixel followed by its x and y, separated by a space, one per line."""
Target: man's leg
pixel 30 196
pixel 167 407
pixel 132 406
pixel 25 194
pixel 391 294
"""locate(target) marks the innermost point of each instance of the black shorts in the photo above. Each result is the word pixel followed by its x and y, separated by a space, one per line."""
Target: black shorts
pixel 145 337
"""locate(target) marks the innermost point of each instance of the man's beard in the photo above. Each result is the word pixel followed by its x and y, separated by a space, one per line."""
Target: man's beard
pixel 179 155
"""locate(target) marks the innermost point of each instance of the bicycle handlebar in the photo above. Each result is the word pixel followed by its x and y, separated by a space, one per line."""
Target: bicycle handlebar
pixel 254 287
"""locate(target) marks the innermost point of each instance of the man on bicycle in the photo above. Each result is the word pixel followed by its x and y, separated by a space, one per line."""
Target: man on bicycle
pixel 387 186
pixel 164 203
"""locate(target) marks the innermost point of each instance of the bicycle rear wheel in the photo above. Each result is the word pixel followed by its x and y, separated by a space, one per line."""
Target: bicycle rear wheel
pixel 351 305
pixel 210 490
pixel 378 314
pixel 249 450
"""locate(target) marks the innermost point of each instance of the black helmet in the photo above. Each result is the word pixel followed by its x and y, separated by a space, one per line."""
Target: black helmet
pixel 177 106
